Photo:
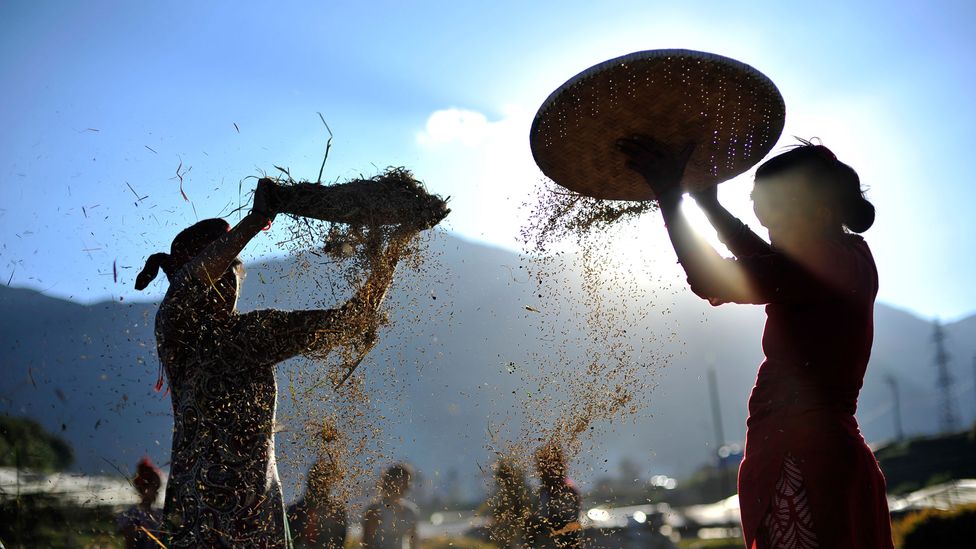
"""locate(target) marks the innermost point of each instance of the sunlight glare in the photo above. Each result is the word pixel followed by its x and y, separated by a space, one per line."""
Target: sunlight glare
pixel 696 217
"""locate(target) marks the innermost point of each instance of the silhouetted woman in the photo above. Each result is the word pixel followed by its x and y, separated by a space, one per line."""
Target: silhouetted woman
pixel 223 488
pixel 807 479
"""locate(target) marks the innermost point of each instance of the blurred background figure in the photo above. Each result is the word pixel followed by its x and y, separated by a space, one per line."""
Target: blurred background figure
pixel 140 523
pixel 318 520
pixel 556 522
pixel 510 506
pixel 391 522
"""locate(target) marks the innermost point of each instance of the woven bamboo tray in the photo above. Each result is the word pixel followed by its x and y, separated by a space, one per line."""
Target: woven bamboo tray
pixel 733 113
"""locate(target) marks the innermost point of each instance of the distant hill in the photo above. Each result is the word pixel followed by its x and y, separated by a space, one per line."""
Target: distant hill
pixel 87 372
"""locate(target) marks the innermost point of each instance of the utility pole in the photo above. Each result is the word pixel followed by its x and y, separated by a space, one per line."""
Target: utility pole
pixel 947 420
pixel 719 432
pixel 893 383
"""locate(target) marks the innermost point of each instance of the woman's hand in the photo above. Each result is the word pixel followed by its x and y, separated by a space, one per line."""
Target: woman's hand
pixel 706 197
pixel 264 201
pixel 661 168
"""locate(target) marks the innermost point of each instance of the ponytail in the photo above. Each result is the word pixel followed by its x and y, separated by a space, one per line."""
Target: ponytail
pixel 153 264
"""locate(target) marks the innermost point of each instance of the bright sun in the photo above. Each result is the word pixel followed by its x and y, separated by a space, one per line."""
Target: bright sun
pixel 696 217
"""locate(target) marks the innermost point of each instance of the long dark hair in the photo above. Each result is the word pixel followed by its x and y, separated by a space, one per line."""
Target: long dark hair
pixel 834 182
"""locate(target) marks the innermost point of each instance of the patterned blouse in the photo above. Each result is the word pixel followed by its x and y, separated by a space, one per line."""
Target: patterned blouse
pixel 223 489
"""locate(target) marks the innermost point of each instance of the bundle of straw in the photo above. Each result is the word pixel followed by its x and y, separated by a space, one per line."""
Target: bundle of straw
pixel 391 198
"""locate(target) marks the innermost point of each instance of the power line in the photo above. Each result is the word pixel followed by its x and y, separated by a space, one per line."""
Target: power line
pixel 943 381
pixel 893 383
pixel 719 432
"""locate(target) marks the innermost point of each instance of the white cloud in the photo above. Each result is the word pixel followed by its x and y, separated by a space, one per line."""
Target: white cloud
pixel 485 165
pixel 469 128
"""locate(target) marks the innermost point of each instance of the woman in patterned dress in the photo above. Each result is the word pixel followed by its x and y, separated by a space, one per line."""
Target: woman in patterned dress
pixel 223 488
pixel 807 479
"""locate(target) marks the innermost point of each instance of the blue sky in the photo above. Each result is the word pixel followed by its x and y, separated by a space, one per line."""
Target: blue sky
pixel 100 94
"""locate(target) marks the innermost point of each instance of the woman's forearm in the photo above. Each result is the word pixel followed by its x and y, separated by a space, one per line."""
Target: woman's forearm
pixel 736 236
pixel 217 257
pixel 709 274
pixel 384 262
pixel 704 266
pixel 692 251
pixel 720 218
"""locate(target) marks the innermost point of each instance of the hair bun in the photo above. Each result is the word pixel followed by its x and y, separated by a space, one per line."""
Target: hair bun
pixel 860 215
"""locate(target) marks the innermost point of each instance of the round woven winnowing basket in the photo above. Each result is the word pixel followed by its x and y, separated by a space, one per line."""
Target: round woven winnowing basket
pixel 731 112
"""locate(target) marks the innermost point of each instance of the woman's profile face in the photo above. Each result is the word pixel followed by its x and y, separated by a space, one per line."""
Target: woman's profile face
pixel 228 286
pixel 237 267
pixel 237 274
pixel 787 208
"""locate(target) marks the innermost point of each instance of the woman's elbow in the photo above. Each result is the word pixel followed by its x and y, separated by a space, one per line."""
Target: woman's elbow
pixel 704 291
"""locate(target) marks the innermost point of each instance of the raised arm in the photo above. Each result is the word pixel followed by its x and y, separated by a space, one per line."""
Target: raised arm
pixel 709 274
pixel 214 260
pixel 737 237
pixel 270 336
pixel 363 308
pixel 383 263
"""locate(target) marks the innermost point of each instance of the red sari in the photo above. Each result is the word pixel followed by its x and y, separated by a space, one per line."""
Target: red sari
pixel 817 341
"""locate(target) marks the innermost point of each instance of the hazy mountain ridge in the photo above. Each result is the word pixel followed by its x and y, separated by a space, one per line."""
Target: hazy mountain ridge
pixel 440 374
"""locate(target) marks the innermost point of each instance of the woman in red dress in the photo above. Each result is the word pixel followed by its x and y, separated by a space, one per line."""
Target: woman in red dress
pixel 808 479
